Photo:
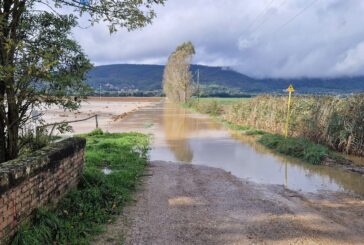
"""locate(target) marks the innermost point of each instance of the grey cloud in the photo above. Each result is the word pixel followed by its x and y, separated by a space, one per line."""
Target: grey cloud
pixel 254 37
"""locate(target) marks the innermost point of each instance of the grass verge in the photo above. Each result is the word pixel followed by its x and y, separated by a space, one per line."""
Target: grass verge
pixel 99 197
pixel 292 146
pixel 297 147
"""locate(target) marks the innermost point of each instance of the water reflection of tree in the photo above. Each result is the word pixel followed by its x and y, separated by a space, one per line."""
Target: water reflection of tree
pixel 177 127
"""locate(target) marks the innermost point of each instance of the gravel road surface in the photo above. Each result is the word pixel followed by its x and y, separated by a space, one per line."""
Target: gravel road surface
pixel 189 204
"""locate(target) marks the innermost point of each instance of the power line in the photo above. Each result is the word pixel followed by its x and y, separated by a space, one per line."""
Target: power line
pixel 267 18
pixel 261 14
pixel 295 16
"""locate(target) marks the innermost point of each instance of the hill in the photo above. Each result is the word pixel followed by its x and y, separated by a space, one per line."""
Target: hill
pixel 127 77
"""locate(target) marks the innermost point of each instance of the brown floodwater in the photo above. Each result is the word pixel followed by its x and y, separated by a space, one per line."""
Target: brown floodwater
pixel 183 136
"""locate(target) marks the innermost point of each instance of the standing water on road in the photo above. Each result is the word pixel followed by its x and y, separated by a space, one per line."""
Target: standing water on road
pixel 183 136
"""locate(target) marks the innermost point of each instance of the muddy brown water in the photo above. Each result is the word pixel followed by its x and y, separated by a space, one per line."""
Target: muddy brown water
pixel 183 136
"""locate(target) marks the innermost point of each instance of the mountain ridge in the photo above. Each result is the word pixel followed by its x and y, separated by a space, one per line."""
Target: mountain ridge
pixel 149 77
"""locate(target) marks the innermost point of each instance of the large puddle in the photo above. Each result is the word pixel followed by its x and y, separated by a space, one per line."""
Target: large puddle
pixel 180 135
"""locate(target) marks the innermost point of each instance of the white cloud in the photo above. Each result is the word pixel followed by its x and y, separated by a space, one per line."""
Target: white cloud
pixel 353 61
pixel 254 37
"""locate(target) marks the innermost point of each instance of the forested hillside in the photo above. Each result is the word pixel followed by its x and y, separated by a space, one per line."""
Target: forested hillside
pixel 213 79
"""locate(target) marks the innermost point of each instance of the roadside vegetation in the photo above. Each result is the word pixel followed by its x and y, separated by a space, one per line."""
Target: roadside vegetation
pixel 319 125
pixel 100 195
pixel 297 147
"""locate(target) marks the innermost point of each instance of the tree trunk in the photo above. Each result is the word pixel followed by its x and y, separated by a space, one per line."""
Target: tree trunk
pixel 2 142
pixel 12 126
pixel 2 124
pixel 11 12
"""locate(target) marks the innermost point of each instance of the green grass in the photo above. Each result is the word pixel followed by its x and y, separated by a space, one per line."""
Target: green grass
pixel 212 106
pixel 82 212
pixel 245 129
pixel 223 100
pixel 296 147
pixel 209 106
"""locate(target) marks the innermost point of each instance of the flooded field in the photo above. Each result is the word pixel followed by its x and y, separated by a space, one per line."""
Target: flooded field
pixel 109 111
pixel 183 136
pixel 180 135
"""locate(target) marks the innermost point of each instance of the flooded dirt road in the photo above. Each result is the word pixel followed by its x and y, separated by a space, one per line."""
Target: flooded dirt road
pixel 183 136
pixel 191 204
pixel 207 185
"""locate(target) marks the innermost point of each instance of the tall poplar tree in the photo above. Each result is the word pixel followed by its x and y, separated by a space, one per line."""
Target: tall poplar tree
pixel 177 77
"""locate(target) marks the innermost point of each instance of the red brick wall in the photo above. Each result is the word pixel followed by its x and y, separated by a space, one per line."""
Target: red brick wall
pixel 36 181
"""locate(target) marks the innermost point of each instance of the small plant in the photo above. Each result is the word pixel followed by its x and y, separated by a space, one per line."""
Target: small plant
pixel 96 132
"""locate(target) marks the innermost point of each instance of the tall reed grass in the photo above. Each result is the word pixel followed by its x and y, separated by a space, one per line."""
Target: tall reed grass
pixel 337 122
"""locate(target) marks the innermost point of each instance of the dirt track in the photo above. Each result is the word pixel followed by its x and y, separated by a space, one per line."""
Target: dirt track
pixel 189 204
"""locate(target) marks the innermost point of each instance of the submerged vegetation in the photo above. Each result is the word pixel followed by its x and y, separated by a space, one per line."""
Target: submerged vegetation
pixel 318 124
pixel 99 196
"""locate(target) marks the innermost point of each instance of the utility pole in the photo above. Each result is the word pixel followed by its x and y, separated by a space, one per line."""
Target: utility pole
pixel 198 84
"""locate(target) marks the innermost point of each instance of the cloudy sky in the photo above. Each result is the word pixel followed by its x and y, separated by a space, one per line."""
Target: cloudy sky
pixel 261 38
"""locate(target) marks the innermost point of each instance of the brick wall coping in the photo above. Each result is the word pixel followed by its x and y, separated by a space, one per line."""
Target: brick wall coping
pixel 14 172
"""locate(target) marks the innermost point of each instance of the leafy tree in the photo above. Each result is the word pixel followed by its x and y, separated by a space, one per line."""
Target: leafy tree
pixel 177 77
pixel 41 65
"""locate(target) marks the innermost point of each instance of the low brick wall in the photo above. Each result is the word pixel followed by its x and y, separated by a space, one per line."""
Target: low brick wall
pixel 42 178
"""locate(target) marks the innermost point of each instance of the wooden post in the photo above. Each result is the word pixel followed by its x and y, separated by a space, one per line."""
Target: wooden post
pixel 290 91
pixel 97 121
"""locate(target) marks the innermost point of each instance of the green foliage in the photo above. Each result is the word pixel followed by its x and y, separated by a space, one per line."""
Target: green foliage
pixel 129 14
pixel 216 90
pixel 296 147
pixel 48 69
pixel 51 66
pixel 98 198
pixel 95 132
pixel 254 132
pixel 41 65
